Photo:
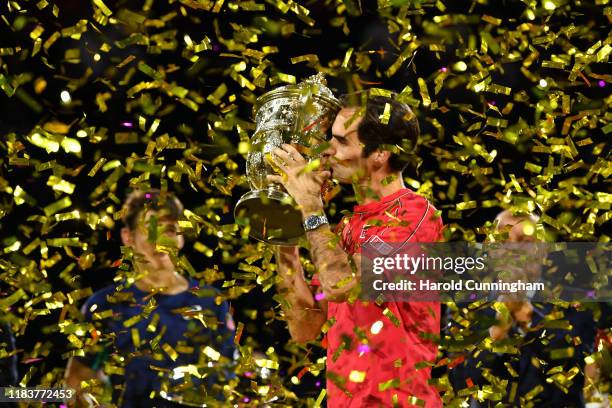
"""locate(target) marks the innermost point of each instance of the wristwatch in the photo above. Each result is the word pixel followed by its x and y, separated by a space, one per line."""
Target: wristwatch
pixel 313 222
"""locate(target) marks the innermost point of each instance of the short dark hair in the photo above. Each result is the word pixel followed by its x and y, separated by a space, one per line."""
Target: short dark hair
pixel 398 133
pixel 139 202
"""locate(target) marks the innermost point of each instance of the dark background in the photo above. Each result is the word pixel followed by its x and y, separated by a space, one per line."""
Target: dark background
pixel 571 191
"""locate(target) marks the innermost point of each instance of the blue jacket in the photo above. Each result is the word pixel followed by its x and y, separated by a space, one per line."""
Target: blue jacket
pixel 143 338
pixel 553 348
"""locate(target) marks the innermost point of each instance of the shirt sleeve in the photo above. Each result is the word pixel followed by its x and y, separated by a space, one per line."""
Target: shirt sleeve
pixel 414 221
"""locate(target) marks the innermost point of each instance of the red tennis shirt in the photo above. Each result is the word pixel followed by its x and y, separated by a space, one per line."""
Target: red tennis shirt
pixel 370 360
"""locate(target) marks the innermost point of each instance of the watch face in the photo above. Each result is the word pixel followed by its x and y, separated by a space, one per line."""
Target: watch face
pixel 311 222
pixel 314 221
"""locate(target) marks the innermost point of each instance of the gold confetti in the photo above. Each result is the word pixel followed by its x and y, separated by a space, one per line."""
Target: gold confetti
pixel 357 376
pixel 391 316
pixel 385 116
pixel 267 364
pixel 320 397
pixel 60 204
pixel 212 353
pixel 13 298
pixel 171 352
pixel 312 58
pixel 491 20
pixel 60 185
pixel 104 118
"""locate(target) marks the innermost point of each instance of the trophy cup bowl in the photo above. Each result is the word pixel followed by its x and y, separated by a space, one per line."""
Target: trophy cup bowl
pixel 293 114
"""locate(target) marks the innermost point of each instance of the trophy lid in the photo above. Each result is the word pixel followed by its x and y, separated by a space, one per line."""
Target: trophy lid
pixel 316 84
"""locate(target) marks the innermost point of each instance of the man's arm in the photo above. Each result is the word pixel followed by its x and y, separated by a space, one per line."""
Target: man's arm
pixel 305 316
pixel 337 274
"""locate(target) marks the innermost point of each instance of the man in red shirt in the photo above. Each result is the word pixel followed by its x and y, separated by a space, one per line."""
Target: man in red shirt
pixel 373 350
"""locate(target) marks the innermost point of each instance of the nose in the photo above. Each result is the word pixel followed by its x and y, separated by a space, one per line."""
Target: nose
pixel 330 151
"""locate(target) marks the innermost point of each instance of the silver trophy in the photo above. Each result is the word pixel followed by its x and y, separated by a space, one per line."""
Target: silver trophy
pixel 296 114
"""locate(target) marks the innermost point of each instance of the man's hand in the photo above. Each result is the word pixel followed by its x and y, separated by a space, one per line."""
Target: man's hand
pixel 301 182
pixel 521 313
pixel 500 331
pixel 77 372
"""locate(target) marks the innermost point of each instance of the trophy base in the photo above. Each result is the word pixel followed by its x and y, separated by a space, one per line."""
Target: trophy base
pixel 272 215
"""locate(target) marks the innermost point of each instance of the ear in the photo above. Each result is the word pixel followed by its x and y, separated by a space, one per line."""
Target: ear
pixel 381 158
pixel 127 237
pixel 180 241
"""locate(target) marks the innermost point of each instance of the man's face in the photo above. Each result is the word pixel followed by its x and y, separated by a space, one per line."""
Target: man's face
pixel 344 154
pixel 156 235
pixel 521 232
pixel 519 229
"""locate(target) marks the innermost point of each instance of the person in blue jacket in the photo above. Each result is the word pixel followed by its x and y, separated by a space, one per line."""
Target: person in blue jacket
pixel 547 369
pixel 160 332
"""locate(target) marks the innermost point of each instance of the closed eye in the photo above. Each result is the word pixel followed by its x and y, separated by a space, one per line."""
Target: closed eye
pixel 340 139
pixel 343 139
